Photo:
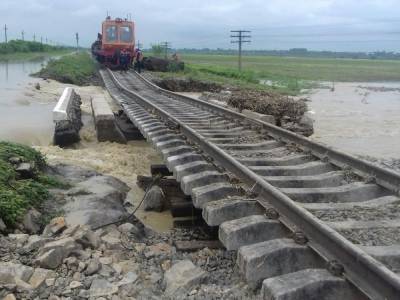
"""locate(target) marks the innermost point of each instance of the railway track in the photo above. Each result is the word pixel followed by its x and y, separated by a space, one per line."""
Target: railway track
pixel 305 219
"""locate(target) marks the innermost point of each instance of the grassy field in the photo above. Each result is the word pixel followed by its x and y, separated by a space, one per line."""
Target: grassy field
pixel 281 68
pixel 285 75
pixel 77 68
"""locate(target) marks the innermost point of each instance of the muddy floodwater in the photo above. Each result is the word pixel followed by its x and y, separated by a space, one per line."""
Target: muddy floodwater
pixel 360 118
pixel 24 118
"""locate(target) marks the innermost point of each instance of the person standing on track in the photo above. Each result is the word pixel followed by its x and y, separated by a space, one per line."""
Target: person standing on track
pixel 139 60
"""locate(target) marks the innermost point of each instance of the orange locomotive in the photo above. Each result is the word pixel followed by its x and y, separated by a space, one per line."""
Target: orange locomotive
pixel 115 46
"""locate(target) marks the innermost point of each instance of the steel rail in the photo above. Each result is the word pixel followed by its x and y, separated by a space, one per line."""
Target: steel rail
pixel 384 177
pixel 369 275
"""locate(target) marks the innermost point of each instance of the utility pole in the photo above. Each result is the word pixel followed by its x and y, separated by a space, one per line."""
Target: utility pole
pixel 166 46
pixel 46 40
pixel 5 32
pixel 139 45
pixel 240 37
pixel 41 40
pixel 77 41
pixel 34 37
pixel 23 35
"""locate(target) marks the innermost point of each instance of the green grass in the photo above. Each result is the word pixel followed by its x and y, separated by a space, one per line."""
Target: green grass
pixel 285 75
pixel 17 195
pixel 23 50
pixel 281 68
pixel 77 68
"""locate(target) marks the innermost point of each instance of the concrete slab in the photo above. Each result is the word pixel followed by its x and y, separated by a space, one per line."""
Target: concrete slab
pixel 310 284
pixel 213 192
pixel 190 182
pixel 217 212
pixel 275 258
pixel 250 230
pixel 104 120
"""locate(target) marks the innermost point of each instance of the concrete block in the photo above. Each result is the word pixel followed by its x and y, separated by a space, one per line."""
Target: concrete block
pixel 213 192
pixel 104 120
pixel 62 109
pixel 191 168
pixel 67 118
pixel 275 258
pixel 182 159
pixel 167 152
pixel 190 182
pixel 310 284
pixel 217 212
pixel 250 230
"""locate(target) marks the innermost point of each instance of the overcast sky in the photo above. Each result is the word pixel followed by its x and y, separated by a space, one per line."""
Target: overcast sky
pixel 348 25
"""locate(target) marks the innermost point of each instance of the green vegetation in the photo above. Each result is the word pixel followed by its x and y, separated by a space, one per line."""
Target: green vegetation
pixel 285 75
pixel 157 50
pixel 283 68
pixel 78 68
pixel 18 195
pixel 18 49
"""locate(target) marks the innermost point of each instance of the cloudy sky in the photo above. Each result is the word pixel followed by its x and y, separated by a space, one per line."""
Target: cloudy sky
pixel 348 25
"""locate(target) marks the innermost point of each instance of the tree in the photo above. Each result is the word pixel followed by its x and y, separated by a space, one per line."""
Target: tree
pixel 157 50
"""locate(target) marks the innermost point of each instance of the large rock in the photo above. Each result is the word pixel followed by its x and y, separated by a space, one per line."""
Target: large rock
pixel 9 270
pixel 93 267
pixel 86 237
pixel 26 170
pixel 182 277
pixel 3 226
pixel 55 226
pixel 31 221
pixel 52 254
pixel 35 242
pixel 154 199
pixel 96 202
pixel 39 276
pixel 101 287
pixel 72 174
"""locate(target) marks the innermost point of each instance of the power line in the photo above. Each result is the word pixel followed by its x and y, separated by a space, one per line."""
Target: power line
pixel 239 37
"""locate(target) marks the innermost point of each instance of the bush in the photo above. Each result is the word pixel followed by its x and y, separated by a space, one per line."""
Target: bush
pixel 19 46
pixel 27 154
pixel 17 196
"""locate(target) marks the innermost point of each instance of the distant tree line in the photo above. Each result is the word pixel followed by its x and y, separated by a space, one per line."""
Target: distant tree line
pixel 297 52
pixel 19 46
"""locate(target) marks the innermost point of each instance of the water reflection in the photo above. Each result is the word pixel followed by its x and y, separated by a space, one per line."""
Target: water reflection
pixel 22 119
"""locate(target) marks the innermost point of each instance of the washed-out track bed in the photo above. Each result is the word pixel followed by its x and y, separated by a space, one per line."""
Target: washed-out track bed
pixel 307 221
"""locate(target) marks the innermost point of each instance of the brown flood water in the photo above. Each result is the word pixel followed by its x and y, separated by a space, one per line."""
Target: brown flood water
pixel 360 118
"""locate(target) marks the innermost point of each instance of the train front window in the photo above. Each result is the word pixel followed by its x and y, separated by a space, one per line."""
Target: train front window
pixel 125 34
pixel 111 33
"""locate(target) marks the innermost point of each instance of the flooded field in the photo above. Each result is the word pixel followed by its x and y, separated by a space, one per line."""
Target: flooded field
pixel 23 118
pixel 360 118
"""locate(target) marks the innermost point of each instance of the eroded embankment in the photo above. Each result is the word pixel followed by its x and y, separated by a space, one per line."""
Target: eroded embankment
pixel 288 112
